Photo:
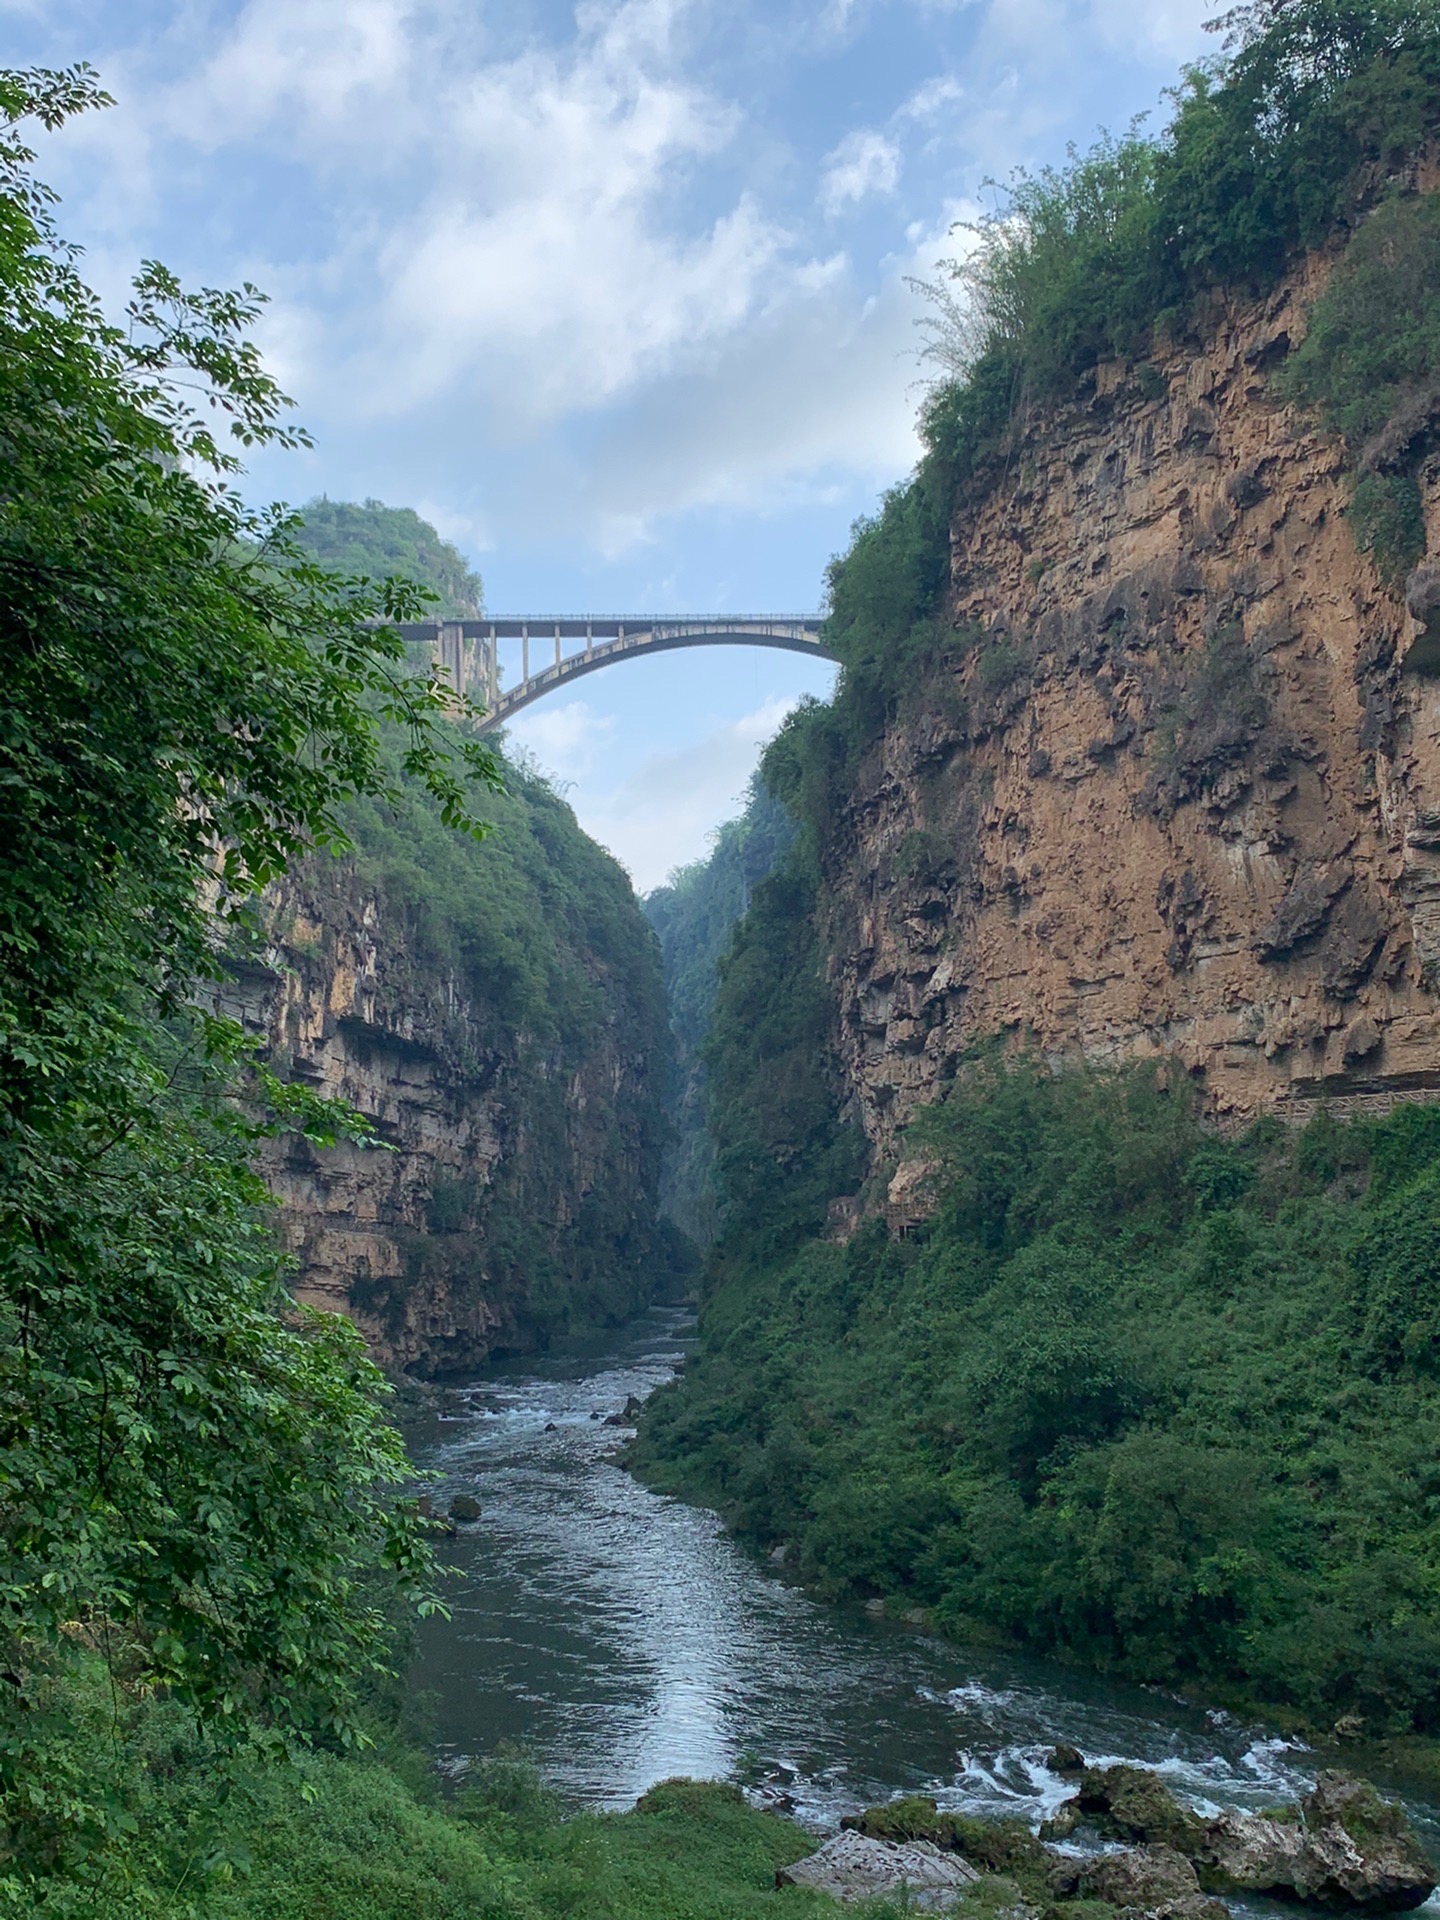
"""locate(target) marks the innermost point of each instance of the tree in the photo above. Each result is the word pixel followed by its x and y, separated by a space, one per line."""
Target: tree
pixel 193 1477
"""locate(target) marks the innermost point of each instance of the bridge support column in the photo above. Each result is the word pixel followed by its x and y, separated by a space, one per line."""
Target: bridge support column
pixel 450 655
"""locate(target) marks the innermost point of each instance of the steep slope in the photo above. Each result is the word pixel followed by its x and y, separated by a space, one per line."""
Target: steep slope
pixel 1117 853
pixel 1175 791
pixel 694 916
pixel 495 1008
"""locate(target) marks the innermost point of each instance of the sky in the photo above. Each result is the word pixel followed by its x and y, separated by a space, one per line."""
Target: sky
pixel 618 295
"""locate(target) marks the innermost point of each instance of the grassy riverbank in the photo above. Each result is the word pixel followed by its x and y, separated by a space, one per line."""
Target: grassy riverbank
pixel 176 1828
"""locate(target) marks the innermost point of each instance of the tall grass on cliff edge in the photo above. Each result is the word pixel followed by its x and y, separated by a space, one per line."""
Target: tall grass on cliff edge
pixel 1282 137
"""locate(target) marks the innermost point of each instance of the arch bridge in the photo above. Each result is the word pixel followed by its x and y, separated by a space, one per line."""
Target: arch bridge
pixel 467 652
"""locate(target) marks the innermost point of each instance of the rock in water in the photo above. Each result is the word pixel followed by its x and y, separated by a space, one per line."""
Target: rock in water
pixel 1349 1848
pixel 851 1866
pixel 465 1509
pixel 1155 1882
pixel 1135 1804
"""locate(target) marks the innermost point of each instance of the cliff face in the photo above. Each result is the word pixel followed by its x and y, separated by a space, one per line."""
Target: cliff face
pixel 1182 796
pixel 519 1192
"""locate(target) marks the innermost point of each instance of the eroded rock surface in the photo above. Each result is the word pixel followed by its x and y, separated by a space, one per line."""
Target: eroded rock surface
pixel 1175 791
pixel 1343 1846
pixel 1348 1848
pixel 1150 1883
pixel 851 1866
pixel 485 1127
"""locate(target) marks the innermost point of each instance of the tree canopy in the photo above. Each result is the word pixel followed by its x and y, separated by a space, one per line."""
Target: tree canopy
pixel 193 1477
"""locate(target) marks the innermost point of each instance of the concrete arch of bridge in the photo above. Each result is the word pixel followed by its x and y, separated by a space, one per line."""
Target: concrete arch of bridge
pixel 468 650
pixel 550 679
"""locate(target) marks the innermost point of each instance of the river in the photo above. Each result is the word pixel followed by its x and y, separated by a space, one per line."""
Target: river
pixel 621 1637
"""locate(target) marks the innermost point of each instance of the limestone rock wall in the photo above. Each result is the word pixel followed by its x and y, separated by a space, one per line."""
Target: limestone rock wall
pixel 519 1185
pixel 1182 797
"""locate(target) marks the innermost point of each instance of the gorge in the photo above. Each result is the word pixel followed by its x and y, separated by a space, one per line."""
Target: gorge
pixel 936 1307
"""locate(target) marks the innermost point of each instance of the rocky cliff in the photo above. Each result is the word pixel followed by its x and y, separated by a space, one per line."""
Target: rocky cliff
pixel 496 1011
pixel 1178 792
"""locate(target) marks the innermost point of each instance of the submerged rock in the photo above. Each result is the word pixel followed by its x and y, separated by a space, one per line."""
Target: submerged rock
pixel 852 1866
pixel 465 1508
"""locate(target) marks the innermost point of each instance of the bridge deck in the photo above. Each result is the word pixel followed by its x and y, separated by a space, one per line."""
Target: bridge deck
pixel 468 651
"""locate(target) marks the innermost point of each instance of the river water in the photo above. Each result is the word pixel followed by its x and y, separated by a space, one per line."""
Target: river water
pixel 621 1637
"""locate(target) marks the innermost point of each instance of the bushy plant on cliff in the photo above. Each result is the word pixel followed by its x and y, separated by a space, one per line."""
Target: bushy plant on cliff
pixel 1370 367
pixel 1154 1400
pixel 193 1480
pixel 377 542
pixel 694 916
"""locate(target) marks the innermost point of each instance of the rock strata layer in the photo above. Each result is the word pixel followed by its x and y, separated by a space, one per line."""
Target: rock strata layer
pixel 1176 790
pixel 516 1185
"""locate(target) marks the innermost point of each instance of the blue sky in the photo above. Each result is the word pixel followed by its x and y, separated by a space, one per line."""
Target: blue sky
pixel 615 294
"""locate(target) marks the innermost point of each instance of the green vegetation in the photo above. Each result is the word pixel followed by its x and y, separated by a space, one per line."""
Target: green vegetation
pixel 1136 1395
pixel 540 930
pixel 376 542
pixel 331 1836
pixel 782 1154
pixel 1370 366
pixel 1125 248
pixel 694 916
pixel 195 1480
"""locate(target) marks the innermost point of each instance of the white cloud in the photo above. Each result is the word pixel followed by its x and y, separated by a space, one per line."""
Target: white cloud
pixel 661 814
pixel 932 97
pixel 319 64
pixel 566 741
pixel 864 163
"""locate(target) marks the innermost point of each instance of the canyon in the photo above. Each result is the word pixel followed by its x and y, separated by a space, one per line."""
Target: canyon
pixel 513 1191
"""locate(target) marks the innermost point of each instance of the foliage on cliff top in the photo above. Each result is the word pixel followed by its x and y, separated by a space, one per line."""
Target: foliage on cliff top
pixel 192 1477
pixel 1270 145
pixel 375 542
pixel 1160 1402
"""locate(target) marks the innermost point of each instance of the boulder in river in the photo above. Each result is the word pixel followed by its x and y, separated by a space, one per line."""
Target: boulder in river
pixel 852 1866
pixel 1156 1882
pixel 465 1508
pixel 1343 1847
pixel 990 1846
pixel 1131 1803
